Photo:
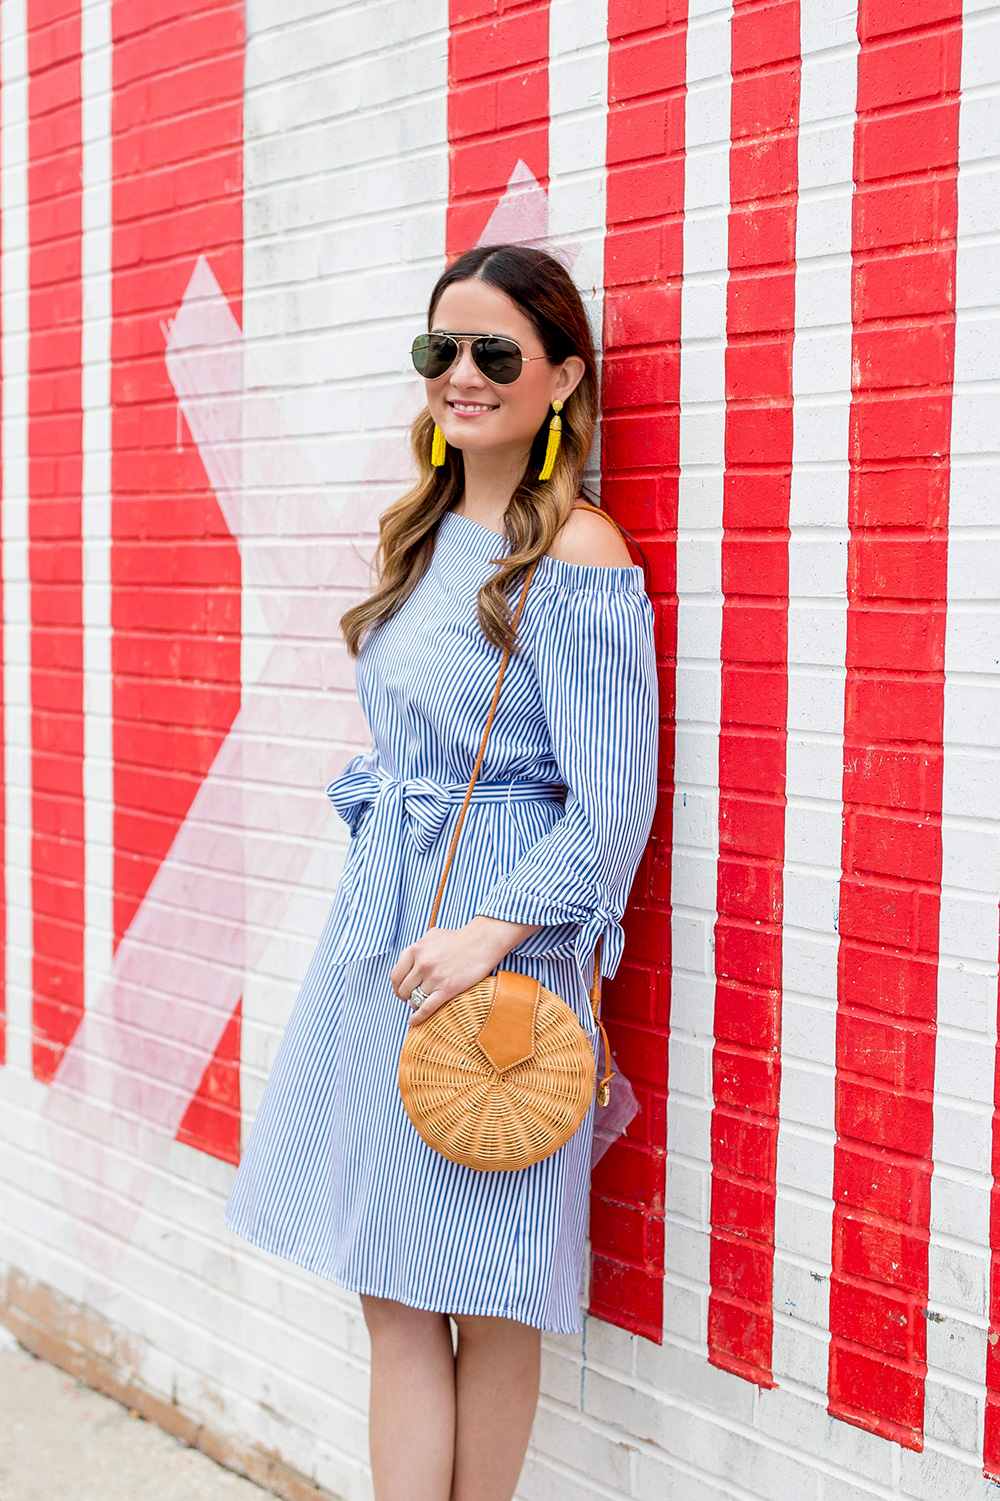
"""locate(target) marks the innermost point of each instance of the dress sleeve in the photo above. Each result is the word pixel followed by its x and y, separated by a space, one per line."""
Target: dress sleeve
pixel 593 652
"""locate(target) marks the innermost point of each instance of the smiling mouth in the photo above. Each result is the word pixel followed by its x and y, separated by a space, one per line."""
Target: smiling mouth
pixel 471 408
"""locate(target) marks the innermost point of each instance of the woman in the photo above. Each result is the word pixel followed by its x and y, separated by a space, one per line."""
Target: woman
pixel 334 1176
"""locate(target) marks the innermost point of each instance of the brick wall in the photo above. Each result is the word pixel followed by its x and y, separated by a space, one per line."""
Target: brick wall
pixel 218 229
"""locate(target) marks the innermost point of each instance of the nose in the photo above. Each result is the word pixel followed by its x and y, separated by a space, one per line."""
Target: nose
pixel 465 371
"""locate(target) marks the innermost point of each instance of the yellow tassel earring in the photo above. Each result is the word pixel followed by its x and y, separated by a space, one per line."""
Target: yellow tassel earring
pixel 439 447
pixel 552 446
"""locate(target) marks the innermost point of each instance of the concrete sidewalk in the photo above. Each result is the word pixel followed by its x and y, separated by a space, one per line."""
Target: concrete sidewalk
pixel 60 1441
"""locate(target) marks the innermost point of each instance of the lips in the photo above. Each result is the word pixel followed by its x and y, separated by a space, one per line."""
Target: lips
pixel 470 408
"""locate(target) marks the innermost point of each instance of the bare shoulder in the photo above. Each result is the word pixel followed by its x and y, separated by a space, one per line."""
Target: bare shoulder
pixel 591 541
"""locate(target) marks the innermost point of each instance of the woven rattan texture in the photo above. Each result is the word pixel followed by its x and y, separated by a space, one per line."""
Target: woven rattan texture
pixel 492 1121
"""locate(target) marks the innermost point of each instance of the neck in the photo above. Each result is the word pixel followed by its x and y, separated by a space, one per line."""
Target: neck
pixel 490 481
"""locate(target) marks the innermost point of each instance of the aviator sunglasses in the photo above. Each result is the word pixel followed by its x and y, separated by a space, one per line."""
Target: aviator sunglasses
pixel 495 356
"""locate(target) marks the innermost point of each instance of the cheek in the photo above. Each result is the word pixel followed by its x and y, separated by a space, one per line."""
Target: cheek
pixel 526 409
pixel 435 397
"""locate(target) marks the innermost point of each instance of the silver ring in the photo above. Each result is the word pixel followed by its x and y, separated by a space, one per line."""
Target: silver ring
pixel 417 997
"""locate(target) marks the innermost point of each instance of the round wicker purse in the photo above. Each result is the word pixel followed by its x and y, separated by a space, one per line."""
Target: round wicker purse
pixel 503 1074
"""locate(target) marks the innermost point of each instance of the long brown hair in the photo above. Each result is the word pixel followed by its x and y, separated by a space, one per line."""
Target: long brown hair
pixel 542 288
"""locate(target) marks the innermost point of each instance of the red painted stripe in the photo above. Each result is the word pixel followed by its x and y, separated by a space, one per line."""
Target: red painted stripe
pixel 212 1119
pixel 498 107
pixel 760 330
pixel 55 553
pixel 906 145
pixel 177 131
pixel 643 263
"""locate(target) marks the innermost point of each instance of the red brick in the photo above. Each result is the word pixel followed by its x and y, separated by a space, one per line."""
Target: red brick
pixel 894 213
pixel 745 1079
pixel 762 235
pixel 896 846
pixel 877 912
pixel 903 495
pixel 901 426
pixel 635 442
pixel 900 1056
pixel 763 105
pixel 755 696
pixel 653 64
pixel 744 1146
pixel 881 707
pixel 910 67
pixel 749 889
pixel 883 1116
pixel 904 356
pixel 509 43
pixel 640 1054
pixel 882 1183
pixel 642 316
pixel 746 1015
pixel 898 984
pixel 881 18
pixel 755 566
pixel 622 1232
pixel 751 826
pixel 761 303
pixel 875 1319
pixel 870 1385
pixel 739 1339
pixel 881 1253
pixel 741 1268
pixel 643 132
pixel 647 934
pixel 910 640
pixel 918 139
pixel 899 568
pixel 760 434
pixel 631 1175
pixel 763 35
pixel 628 17
pixel 921 282
pixel 627 1297
pixel 755 630
pixel 759 368
pixel 742 1206
pixel 737 768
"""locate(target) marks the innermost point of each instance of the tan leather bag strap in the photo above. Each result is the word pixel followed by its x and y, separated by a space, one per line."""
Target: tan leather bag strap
pixel 482 751
pixel 595 989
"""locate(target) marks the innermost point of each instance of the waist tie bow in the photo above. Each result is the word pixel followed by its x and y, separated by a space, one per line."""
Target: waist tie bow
pixel 368 909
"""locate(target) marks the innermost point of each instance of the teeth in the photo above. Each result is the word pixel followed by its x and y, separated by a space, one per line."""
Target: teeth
pixel 461 406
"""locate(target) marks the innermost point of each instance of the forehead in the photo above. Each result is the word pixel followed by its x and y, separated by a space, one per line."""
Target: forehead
pixel 476 307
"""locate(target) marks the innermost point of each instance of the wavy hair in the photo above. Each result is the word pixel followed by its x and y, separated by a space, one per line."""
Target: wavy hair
pixel 541 287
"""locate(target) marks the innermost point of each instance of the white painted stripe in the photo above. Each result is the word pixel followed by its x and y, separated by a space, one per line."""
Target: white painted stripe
pixel 817 642
pixel 98 784
pixel 14 479
pixel 699 634
pixel 578 107
pixel 970 834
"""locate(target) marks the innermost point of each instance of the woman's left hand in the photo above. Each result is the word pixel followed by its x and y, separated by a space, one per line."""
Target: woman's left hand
pixel 447 961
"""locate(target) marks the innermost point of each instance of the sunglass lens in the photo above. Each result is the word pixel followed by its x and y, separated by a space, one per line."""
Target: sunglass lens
pixel 433 354
pixel 498 359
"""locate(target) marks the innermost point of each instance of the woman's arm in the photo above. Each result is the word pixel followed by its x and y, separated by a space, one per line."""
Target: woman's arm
pixel 596 666
pixel 592 649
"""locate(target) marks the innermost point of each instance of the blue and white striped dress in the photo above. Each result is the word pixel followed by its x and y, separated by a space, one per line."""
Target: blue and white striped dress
pixel 334 1177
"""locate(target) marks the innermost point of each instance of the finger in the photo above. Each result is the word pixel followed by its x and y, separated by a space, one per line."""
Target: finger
pixel 435 1000
pixel 400 970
